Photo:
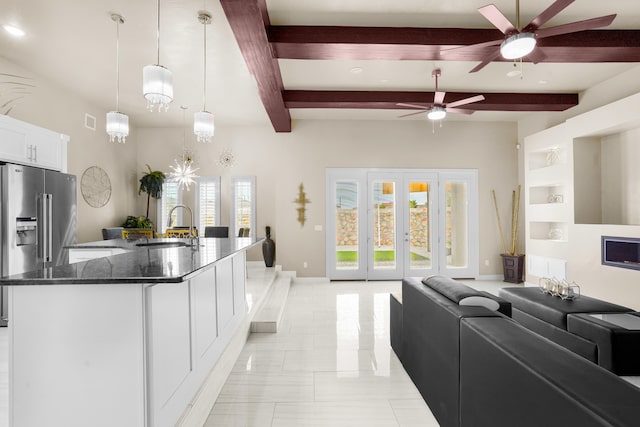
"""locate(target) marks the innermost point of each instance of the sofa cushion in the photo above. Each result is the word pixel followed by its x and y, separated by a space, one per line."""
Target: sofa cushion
pixel 452 289
pixel 552 309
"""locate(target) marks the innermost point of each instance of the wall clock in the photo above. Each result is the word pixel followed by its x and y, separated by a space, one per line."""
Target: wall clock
pixel 95 187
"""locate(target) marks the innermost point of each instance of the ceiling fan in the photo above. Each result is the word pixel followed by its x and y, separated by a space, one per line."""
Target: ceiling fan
pixel 521 42
pixel 438 109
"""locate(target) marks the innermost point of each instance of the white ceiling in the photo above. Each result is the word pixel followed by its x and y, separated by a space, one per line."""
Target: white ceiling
pixel 72 43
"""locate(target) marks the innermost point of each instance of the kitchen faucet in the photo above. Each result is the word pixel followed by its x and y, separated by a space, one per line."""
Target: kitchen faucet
pixel 170 222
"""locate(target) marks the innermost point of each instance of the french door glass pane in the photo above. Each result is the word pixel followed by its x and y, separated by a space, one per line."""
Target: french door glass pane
pixel 347 255
pixel 384 225
pixel 456 231
pixel 419 244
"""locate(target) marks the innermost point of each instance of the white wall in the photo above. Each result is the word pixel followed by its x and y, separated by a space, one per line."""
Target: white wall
pixel 59 109
pixel 282 161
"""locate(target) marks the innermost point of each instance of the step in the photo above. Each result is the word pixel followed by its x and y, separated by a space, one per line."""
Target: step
pixel 269 315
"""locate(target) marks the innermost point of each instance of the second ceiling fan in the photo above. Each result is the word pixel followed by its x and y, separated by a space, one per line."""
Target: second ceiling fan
pixel 438 109
pixel 521 42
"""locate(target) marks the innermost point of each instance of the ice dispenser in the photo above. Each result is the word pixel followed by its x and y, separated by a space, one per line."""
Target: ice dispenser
pixel 26 231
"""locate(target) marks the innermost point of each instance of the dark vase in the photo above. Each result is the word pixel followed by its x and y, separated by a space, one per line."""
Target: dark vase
pixel 513 266
pixel 268 249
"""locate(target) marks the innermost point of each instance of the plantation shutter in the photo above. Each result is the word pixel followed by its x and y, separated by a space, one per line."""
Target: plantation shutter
pixel 170 197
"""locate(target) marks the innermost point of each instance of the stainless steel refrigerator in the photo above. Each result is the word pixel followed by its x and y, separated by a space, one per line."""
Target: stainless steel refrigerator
pixel 37 219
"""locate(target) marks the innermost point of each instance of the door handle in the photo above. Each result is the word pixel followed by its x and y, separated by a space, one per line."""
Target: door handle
pixel 49 198
pixel 42 227
pixel 35 153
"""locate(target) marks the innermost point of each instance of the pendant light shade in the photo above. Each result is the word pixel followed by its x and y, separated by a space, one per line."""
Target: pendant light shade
pixel 117 126
pixel 157 85
pixel 203 125
pixel 157 81
pixel 117 123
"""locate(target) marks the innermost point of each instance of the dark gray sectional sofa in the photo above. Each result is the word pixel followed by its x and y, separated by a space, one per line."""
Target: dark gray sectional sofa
pixel 477 367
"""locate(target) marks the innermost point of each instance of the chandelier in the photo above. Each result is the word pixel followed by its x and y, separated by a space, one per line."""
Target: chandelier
pixel 157 81
pixel 117 123
pixel 183 170
pixel 203 125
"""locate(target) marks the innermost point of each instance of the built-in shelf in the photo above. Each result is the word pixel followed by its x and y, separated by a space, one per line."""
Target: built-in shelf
pixel 548 157
pixel 546 194
pixel 547 230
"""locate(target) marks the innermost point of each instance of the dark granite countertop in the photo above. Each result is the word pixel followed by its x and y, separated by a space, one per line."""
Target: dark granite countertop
pixel 143 264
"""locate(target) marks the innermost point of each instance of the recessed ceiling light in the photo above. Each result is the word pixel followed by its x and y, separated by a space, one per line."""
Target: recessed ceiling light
pixel 384 80
pixel 542 82
pixel 13 30
pixel 514 73
pixel 356 70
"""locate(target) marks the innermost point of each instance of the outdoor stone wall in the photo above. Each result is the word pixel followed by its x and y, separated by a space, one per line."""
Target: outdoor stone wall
pixel 347 232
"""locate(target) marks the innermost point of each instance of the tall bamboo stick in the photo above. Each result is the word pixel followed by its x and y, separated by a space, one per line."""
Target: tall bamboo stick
pixel 515 223
pixel 495 204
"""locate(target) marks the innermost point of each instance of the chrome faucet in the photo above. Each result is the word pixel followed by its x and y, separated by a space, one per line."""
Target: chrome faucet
pixel 170 222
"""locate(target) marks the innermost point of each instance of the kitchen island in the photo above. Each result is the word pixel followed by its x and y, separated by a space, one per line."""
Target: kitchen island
pixel 123 340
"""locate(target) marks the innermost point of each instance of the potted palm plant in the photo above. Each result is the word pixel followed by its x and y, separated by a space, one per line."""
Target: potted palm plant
pixel 512 262
pixel 151 183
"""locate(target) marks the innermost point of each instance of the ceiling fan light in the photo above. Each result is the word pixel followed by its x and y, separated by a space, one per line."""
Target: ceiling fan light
pixel 117 126
pixel 203 126
pixel 157 86
pixel 437 113
pixel 518 45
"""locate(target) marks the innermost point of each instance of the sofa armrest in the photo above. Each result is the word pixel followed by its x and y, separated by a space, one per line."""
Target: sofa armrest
pixel 505 306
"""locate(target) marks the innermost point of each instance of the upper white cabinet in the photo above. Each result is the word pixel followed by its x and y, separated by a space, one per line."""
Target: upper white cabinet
pixel 30 145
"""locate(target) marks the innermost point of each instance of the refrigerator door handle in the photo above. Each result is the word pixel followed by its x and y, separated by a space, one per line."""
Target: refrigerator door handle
pixel 49 198
pixel 42 227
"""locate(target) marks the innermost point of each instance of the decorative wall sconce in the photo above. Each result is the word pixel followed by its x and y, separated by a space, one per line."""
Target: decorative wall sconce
pixel 302 203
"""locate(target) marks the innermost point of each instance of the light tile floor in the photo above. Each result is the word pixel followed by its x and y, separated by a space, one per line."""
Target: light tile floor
pixel 330 364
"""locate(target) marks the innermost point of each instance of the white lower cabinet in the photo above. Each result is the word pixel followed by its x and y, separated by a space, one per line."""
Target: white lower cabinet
pixel 126 355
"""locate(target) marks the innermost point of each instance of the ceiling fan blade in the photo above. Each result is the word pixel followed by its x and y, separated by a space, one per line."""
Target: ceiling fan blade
pixel 472 46
pixel 496 17
pixel 557 7
pixel 414 106
pixel 574 27
pixel 537 55
pixel 459 111
pixel 413 114
pixel 486 61
pixel 466 101
pixel 438 98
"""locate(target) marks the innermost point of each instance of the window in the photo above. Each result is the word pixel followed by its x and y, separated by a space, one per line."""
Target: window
pixel 171 196
pixel 207 204
pixel 243 205
pixel 207 201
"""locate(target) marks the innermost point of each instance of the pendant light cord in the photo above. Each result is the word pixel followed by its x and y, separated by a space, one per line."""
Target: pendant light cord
pixel 204 92
pixel 158 34
pixel 118 64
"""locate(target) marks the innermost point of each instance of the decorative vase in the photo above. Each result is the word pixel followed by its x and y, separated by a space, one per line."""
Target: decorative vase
pixel 513 266
pixel 268 248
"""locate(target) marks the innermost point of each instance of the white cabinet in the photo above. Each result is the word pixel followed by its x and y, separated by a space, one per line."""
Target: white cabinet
pixel 30 145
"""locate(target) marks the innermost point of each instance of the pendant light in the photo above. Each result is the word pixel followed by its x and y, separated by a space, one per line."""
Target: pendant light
pixel 117 123
pixel 157 81
pixel 182 170
pixel 203 125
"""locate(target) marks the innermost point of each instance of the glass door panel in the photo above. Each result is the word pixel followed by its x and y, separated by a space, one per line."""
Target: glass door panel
pixel 347 253
pixel 421 219
pixel 385 255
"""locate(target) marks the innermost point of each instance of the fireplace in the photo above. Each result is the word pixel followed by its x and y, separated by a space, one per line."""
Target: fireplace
pixel 623 252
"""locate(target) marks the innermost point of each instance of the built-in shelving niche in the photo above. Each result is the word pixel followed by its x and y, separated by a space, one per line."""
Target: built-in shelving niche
pixel 623 252
pixel 546 194
pixel 552 231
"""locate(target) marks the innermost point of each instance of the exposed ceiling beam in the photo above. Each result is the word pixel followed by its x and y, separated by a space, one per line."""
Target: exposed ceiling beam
pixel 390 43
pixel 388 100
pixel 249 20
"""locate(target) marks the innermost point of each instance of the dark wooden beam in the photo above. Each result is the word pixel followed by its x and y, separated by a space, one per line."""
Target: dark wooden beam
pixel 388 100
pixel 249 20
pixel 389 43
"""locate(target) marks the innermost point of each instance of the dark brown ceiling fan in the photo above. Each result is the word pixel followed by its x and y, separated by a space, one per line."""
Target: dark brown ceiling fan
pixel 438 109
pixel 519 43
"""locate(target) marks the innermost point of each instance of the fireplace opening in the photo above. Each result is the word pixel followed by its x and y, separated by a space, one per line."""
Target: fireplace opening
pixel 623 252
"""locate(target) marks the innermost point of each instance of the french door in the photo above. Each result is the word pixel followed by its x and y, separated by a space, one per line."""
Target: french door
pixel 389 224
